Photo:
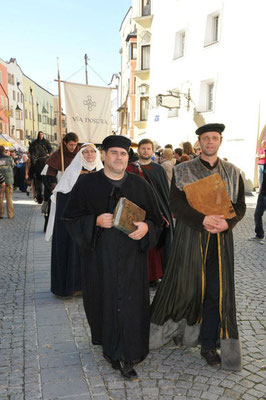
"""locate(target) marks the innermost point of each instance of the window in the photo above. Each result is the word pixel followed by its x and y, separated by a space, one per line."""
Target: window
pixel 29 114
pixel 39 118
pixel 1 79
pixel 146 7
pixel 210 98
pixel 9 78
pixel 11 112
pixel 18 97
pixel 25 97
pixel 212 29
pixel 1 127
pixel 145 57
pixel 14 95
pixel 207 93
pixel 144 108
pixel 133 51
pixel 179 50
pixel 26 114
pixel 173 112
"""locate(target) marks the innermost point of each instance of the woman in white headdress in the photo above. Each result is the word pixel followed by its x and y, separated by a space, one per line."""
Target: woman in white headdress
pixel 65 259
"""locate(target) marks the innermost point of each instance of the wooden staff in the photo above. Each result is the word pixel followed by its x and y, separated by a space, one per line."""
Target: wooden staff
pixel 60 116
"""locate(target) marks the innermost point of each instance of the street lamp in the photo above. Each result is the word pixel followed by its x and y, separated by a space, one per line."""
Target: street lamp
pixel 143 88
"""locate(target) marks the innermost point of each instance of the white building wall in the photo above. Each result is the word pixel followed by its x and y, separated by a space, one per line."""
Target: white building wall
pixel 16 125
pixel 235 64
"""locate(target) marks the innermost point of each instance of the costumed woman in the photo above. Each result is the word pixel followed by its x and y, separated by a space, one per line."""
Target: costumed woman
pixel 65 259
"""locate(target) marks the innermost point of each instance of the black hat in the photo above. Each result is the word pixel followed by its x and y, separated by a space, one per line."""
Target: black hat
pixel 210 128
pixel 116 141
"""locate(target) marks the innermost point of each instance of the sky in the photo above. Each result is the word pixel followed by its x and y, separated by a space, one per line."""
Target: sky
pixel 36 33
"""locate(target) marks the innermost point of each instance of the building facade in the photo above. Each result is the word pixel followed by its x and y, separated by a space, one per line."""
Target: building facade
pixel 212 68
pixel 4 100
pixel 39 111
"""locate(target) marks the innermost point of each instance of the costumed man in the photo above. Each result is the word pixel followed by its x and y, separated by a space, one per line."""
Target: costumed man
pixel 52 172
pixel 65 259
pixel 6 169
pixel 196 297
pixel 39 150
pixel 114 265
pixel 157 178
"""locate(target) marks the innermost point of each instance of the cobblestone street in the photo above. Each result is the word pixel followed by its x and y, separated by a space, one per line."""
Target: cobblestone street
pixel 45 346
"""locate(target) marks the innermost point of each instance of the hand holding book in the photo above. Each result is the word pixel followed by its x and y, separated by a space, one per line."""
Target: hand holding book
pixel 142 229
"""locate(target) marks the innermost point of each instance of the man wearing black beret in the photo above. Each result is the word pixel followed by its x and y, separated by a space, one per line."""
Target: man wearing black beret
pixel 196 298
pixel 114 264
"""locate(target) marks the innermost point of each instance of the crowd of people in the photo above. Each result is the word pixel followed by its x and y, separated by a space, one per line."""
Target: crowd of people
pixel 188 255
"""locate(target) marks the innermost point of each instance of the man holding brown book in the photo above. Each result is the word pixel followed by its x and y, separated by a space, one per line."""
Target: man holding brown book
pixel 196 297
pixel 114 263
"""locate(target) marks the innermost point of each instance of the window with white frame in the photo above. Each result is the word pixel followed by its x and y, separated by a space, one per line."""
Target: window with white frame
pixel 206 101
pixel 144 108
pixel 180 39
pixel 145 57
pixel 173 112
pixel 146 7
pixel 212 32
pixel 132 51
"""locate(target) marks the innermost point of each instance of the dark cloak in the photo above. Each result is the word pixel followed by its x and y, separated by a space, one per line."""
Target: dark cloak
pixel 157 178
pixel 65 257
pixel 180 295
pixel 114 267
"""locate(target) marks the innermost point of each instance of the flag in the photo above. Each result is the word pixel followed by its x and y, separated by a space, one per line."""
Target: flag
pixel 88 111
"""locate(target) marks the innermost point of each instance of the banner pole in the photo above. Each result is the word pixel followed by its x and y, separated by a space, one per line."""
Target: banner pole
pixel 60 116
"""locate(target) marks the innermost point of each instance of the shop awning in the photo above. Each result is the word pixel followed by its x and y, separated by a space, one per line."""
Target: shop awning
pixel 12 142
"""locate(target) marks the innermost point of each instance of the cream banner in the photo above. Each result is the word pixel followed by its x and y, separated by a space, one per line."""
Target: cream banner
pixel 88 110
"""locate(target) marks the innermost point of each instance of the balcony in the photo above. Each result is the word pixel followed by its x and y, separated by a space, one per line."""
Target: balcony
pixel 140 124
pixel 144 21
pixel 143 74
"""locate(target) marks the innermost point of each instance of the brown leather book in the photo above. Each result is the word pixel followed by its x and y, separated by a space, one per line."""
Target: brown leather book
pixel 125 214
pixel 209 196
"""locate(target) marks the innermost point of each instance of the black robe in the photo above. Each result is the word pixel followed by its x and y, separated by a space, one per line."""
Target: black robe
pixel 65 257
pixel 114 267
pixel 180 295
pixel 157 178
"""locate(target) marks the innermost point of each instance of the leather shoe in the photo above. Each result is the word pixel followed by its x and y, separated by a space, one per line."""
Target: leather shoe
pixel 211 356
pixel 127 370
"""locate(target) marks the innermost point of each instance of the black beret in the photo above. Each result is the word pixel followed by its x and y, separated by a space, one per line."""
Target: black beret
pixel 210 128
pixel 116 141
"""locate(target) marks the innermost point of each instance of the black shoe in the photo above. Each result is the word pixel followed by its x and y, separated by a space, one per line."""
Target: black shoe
pixel 211 356
pixel 127 370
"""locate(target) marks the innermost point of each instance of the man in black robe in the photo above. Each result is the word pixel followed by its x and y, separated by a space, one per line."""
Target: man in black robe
pixel 114 264
pixel 39 150
pixel 196 297
pixel 157 178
